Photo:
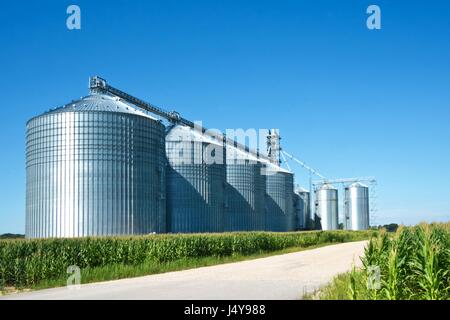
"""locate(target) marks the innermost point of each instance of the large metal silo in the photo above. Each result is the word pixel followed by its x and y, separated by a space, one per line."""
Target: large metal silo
pixel 196 181
pixel 245 192
pixel 95 167
pixel 279 199
pixel 327 207
pixel 357 206
pixel 302 208
pixel 289 182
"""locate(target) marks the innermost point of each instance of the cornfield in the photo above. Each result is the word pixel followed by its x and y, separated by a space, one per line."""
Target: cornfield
pixel 24 263
pixel 412 264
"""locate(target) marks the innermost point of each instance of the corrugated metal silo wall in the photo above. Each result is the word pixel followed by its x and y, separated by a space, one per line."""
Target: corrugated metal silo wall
pixel 357 208
pixel 298 211
pixel 94 174
pixel 279 202
pixel 306 198
pixel 289 182
pixel 302 210
pixel 245 196
pixel 327 208
pixel 195 191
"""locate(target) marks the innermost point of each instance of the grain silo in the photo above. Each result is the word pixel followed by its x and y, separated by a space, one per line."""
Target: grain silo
pixel 94 167
pixel 196 181
pixel 357 206
pixel 327 207
pixel 279 198
pixel 245 191
pixel 302 208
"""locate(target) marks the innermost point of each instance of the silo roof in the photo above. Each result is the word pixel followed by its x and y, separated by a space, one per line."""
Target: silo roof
pixel 102 103
pixel 301 189
pixel 273 167
pixel 241 154
pixel 184 132
pixel 328 186
pixel 189 134
pixel 357 185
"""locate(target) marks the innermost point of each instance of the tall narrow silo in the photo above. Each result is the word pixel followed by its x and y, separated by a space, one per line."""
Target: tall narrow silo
pixel 357 206
pixel 245 191
pixel 279 199
pixel 302 208
pixel 196 181
pixel 94 167
pixel 327 207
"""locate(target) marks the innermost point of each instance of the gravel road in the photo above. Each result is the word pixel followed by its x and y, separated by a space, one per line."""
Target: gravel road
pixel 286 276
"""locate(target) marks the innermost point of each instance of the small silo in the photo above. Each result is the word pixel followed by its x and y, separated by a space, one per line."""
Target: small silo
pixel 327 207
pixel 279 198
pixel 357 206
pixel 94 167
pixel 245 191
pixel 302 208
pixel 196 181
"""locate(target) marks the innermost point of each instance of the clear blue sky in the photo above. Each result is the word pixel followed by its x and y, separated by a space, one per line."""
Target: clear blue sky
pixel 348 101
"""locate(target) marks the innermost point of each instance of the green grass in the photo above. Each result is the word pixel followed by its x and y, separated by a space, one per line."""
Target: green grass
pixel 414 264
pixel 43 263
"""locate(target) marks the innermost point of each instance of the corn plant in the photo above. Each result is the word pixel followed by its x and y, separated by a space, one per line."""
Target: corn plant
pixel 425 264
pixel 353 292
pixel 414 263
pixel 25 263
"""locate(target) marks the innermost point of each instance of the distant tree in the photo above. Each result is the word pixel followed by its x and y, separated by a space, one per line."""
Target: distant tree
pixel 392 227
pixel 341 226
pixel 11 236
